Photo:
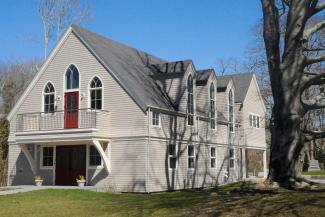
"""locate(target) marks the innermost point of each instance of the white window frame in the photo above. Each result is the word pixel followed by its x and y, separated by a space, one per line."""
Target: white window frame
pixel 233 111
pixel 191 157
pixel 173 156
pixel 255 119
pixel 94 166
pixel 232 158
pixel 42 167
pixel 215 107
pixel 213 157
pixel 43 99
pixel 159 119
pixel 97 88
pixel 65 79
pixel 193 102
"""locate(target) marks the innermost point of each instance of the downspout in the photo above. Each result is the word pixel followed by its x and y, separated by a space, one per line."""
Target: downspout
pixel 147 160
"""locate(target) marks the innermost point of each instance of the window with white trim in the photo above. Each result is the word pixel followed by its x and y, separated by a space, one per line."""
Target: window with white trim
pixel 172 156
pixel 212 157
pixel 72 78
pixel 231 158
pixel 155 118
pixel 231 111
pixel 191 156
pixel 94 157
pixel 254 121
pixel 212 107
pixel 47 156
pixel 49 95
pixel 96 93
pixel 190 101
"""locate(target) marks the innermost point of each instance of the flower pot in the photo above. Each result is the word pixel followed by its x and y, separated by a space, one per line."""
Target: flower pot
pixel 38 182
pixel 81 183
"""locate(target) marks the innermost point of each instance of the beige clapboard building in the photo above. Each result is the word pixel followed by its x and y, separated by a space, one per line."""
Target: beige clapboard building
pixel 132 122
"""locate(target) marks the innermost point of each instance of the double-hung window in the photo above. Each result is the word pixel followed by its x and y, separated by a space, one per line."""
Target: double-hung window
pixel 49 94
pixel 190 101
pixel 155 118
pixel 254 121
pixel 94 157
pixel 172 156
pixel 212 107
pixel 213 157
pixel 47 157
pixel 231 158
pixel 231 111
pixel 191 156
pixel 96 93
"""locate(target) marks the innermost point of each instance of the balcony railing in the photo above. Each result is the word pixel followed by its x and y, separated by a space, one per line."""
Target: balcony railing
pixel 59 120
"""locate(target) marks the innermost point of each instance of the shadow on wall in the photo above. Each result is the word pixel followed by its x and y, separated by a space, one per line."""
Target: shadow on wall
pixel 21 174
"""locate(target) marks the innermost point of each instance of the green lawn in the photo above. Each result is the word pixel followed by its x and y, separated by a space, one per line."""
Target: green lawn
pixel 238 199
pixel 315 173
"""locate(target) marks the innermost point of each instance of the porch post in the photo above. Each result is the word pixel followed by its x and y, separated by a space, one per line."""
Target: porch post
pixel 104 157
pixel 244 163
pixel 265 164
pixel 29 157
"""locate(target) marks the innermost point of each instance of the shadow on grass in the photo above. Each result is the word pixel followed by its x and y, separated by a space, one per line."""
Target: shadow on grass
pixel 242 199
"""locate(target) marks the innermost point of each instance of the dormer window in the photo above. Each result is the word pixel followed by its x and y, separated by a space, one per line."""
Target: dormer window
pixel 212 107
pixel 190 102
pixel 231 111
pixel 48 94
pixel 72 78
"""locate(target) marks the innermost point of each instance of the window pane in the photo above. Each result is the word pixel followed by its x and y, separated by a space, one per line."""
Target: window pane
pixel 190 119
pixel 75 79
pixel 172 162
pixel 231 153
pixel 250 120
pixel 190 150
pixel 213 163
pixel 231 163
pixel 94 157
pixel 47 156
pixel 172 150
pixel 98 104
pixel 258 122
pixel 191 163
pixel 254 121
pixel 213 152
pixel 99 94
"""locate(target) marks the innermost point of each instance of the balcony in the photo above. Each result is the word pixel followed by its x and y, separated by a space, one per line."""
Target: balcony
pixel 73 124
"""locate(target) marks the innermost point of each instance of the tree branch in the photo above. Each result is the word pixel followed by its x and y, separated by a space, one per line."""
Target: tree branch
pixel 318 8
pixel 318 26
pixel 313 60
pixel 311 135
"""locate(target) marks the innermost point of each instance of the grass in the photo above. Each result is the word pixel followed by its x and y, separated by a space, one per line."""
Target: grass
pixel 238 199
pixel 315 173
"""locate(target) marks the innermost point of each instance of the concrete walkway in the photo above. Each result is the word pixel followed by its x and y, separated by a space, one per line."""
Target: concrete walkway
pixel 26 188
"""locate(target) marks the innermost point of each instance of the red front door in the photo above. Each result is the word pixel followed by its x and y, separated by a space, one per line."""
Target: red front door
pixel 71 106
pixel 70 163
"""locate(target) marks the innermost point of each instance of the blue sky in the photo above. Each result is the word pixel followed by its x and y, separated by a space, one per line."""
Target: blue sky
pixel 171 29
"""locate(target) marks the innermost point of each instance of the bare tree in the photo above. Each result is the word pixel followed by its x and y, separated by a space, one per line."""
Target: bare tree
pixel 46 10
pixel 14 79
pixel 291 64
pixel 57 15
pixel 228 65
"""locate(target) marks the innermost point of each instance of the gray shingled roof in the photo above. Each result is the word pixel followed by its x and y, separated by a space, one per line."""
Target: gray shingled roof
pixel 202 76
pixel 241 82
pixel 172 67
pixel 129 67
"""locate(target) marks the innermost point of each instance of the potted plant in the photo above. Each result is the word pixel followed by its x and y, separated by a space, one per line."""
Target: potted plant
pixel 81 180
pixel 38 180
